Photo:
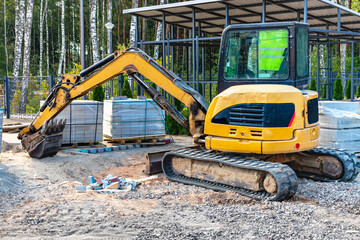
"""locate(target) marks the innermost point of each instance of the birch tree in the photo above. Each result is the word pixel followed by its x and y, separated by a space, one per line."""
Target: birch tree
pixel 26 60
pixel 133 24
pixel 42 16
pixel 133 36
pixel 109 17
pixel 19 36
pixel 5 41
pixel 93 35
pixel 73 43
pixel 47 44
pixel 62 56
pixel 158 36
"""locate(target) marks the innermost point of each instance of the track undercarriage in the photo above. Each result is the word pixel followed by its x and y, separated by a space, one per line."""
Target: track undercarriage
pixel 260 177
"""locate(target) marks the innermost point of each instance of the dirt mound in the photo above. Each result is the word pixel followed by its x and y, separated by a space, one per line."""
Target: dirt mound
pixel 128 171
pixel 9 147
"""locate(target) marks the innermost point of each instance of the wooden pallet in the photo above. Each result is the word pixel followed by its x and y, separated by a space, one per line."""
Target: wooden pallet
pixel 148 140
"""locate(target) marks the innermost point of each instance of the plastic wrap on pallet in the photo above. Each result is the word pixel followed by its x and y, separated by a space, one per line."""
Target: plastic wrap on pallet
pixel 1 125
pixel 132 118
pixel 338 119
pixel 341 105
pixel 83 122
pixel 339 129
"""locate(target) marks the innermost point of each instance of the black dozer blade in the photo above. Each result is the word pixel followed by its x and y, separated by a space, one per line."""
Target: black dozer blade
pixel 46 142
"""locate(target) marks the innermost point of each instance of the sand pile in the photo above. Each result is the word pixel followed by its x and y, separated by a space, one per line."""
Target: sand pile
pixel 9 147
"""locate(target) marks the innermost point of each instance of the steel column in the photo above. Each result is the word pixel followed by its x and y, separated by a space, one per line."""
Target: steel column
pixel 328 72
pixel 305 10
pixel 352 71
pixel 263 16
pixel 197 63
pixel 317 68
pixel 310 73
pixel 163 40
pixel 193 47
pixel 227 17
pixel 339 19
pixel 7 97
pixel 137 32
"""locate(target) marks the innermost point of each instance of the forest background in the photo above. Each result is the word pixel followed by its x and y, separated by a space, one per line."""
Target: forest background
pixel 42 38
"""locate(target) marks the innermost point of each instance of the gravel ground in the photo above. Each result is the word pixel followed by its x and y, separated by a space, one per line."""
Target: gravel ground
pixel 38 201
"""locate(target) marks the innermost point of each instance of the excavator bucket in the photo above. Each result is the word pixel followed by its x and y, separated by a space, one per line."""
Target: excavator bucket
pixel 46 142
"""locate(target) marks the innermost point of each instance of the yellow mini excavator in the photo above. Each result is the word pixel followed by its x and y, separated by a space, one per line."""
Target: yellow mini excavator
pixel 257 135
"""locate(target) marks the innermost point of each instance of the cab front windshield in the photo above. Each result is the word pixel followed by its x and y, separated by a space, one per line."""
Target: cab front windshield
pixel 257 54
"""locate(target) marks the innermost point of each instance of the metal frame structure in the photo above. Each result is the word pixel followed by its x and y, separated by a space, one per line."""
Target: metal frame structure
pixel 329 22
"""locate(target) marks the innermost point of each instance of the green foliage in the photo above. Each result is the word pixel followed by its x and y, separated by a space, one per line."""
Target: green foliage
pixel 358 92
pixel 125 91
pixel 76 70
pixel 348 89
pixel 174 127
pixel 312 84
pixel 323 95
pixel 178 104
pixel 98 94
pixel 338 88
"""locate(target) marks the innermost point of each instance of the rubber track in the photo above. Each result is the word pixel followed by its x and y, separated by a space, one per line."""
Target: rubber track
pixel 285 177
pixel 348 159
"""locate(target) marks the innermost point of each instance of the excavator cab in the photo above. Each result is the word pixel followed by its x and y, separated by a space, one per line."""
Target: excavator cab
pixel 266 53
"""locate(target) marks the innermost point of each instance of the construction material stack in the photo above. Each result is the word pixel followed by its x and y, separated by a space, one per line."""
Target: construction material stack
pixel 83 122
pixel 133 119
pixel 340 125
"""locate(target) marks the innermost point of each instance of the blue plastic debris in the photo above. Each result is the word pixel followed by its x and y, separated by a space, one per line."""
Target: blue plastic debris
pixel 129 146
pixel 109 183
pixel 92 150
pixel 81 188
pixel 100 150
pixel 115 148
pixel 108 177
pixel 133 186
pixel 107 149
pixel 91 179
pixel 122 147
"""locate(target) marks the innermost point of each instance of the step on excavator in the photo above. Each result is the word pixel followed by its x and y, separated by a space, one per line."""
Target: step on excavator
pixel 257 136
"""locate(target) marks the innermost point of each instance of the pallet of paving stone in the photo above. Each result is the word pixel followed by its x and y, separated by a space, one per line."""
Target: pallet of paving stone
pixel 339 128
pixel 84 121
pixel 127 120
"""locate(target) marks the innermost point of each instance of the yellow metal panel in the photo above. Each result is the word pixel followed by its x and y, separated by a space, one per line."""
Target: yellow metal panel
pixel 232 145
pixel 255 94
pixel 305 138
pixel 302 137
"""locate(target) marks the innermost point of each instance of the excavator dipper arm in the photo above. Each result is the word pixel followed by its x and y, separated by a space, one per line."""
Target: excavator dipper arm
pixel 43 137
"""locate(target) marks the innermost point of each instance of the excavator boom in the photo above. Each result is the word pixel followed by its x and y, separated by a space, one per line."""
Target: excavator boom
pixel 42 138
